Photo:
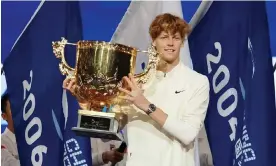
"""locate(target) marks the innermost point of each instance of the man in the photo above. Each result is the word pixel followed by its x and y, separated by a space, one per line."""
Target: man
pixel 165 116
pixel 168 114
pixel 9 153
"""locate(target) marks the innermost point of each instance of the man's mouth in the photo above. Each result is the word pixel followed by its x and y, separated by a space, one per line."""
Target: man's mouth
pixel 169 50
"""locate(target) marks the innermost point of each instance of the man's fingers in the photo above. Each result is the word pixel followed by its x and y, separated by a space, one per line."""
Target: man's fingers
pixel 73 89
pixel 125 91
pixel 132 79
pixel 65 82
pixel 70 85
pixel 129 82
pixel 128 98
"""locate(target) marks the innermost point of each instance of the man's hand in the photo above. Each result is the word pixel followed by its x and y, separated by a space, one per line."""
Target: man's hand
pixel 135 94
pixel 70 85
pixel 112 156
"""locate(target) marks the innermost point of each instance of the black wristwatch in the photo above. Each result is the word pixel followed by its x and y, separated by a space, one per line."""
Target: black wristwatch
pixel 151 109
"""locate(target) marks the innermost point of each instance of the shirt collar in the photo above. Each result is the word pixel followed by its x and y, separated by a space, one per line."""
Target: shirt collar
pixel 161 74
pixel 10 134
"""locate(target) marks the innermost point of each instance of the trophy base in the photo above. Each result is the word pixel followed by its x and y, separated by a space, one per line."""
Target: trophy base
pixel 94 133
pixel 97 125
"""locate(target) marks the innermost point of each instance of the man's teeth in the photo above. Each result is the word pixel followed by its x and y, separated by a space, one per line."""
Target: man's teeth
pixel 169 50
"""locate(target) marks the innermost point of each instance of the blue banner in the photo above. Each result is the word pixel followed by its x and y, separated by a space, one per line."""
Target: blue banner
pixel 43 113
pixel 231 46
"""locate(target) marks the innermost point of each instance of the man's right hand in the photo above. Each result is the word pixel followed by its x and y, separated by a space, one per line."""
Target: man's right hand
pixel 70 85
pixel 112 156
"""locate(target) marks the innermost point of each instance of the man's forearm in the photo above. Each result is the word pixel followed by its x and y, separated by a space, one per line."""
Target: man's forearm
pixel 177 128
pixel 159 116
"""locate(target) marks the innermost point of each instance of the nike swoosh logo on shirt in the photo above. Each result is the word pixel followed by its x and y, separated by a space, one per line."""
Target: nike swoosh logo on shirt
pixel 176 92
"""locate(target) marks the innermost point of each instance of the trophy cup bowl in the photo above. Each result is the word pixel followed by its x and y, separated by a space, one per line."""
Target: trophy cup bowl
pixel 100 67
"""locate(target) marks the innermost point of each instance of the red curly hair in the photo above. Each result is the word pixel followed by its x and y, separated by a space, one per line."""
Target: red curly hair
pixel 168 23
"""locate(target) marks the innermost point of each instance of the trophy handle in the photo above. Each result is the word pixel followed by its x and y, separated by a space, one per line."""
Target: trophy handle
pixel 143 77
pixel 58 49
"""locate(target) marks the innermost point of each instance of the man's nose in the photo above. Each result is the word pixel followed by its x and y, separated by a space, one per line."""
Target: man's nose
pixel 170 42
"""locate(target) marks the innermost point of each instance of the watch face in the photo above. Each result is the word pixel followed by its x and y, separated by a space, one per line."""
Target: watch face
pixel 152 107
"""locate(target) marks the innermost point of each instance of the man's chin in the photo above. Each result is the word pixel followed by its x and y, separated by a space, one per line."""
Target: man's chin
pixel 169 60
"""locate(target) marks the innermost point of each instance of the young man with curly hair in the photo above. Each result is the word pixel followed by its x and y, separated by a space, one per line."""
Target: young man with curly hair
pixel 165 117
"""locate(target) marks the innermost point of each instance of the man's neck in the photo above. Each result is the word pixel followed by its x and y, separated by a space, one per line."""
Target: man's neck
pixel 167 67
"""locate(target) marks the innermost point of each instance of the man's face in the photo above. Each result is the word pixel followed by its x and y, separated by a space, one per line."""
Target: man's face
pixel 7 116
pixel 169 46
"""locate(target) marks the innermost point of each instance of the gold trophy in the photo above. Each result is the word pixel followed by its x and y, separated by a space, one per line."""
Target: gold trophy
pixel 100 67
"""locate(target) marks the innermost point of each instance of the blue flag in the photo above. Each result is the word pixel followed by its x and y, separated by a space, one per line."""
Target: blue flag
pixel 43 113
pixel 231 46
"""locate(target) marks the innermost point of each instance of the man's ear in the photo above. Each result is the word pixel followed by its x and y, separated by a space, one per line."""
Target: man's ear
pixel 4 116
pixel 154 43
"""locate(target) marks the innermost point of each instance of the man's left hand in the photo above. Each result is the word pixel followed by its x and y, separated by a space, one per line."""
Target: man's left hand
pixel 135 94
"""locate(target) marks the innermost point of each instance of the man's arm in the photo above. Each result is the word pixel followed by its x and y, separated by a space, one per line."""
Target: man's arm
pixel 186 127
